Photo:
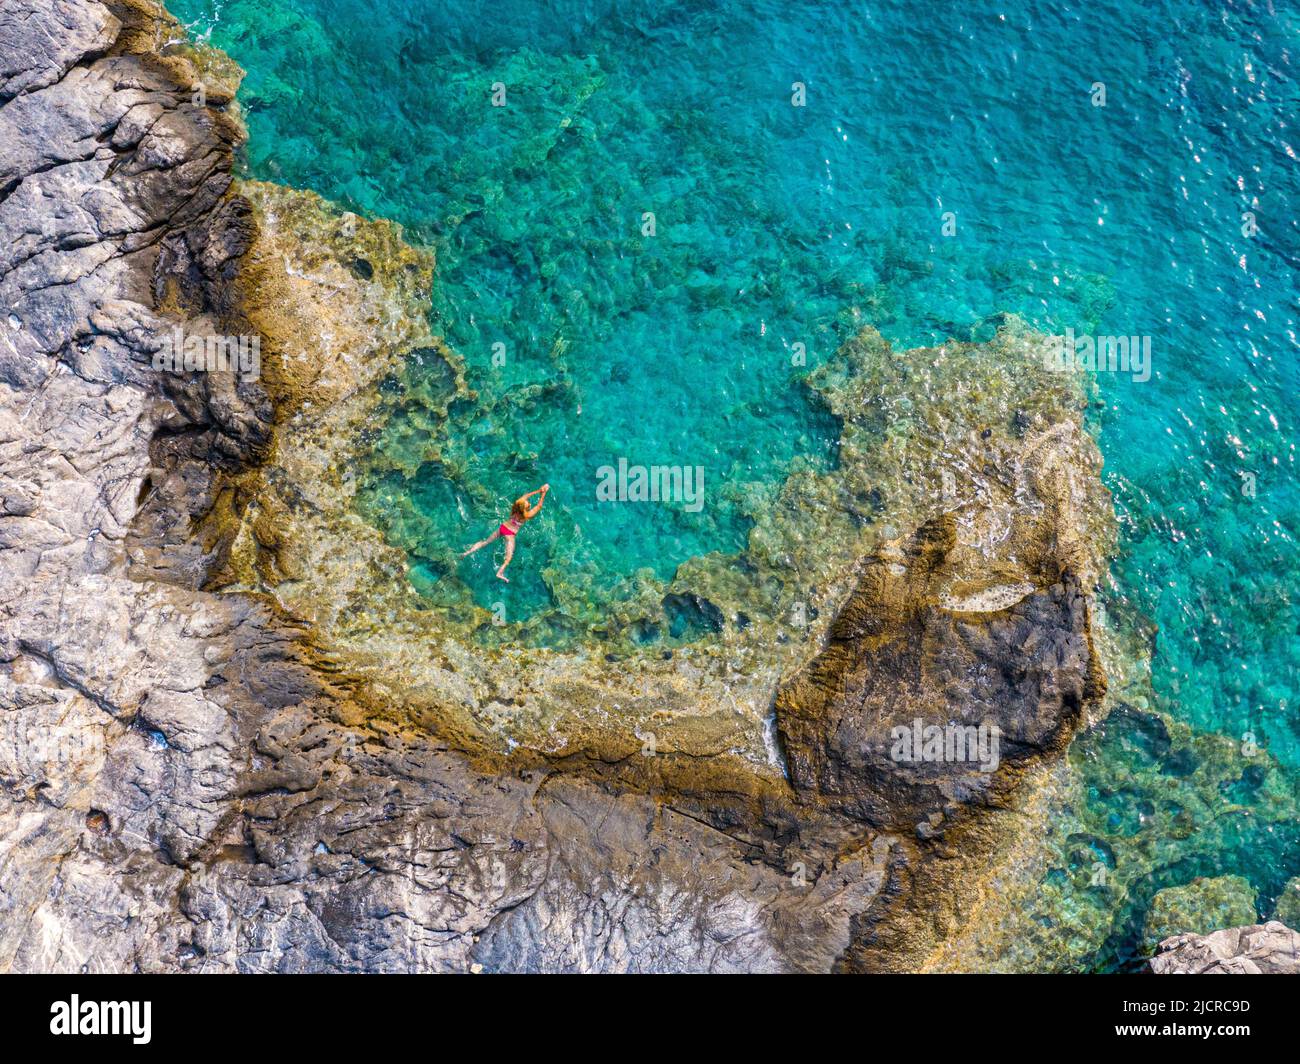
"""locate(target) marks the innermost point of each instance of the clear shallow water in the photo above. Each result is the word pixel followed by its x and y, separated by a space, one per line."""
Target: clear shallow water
pixel 774 223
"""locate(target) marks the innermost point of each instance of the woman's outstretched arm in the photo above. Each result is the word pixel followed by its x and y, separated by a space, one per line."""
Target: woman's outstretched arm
pixel 533 511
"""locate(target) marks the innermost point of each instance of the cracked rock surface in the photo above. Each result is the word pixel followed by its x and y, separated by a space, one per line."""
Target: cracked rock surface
pixel 1260 949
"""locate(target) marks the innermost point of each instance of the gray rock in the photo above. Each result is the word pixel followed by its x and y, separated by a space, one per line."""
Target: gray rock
pixel 1267 949
pixel 896 657
pixel 41 40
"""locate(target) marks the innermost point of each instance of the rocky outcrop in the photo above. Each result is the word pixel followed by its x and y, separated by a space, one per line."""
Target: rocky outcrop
pixel 227 744
pixel 113 732
pixel 1260 949
pixel 917 702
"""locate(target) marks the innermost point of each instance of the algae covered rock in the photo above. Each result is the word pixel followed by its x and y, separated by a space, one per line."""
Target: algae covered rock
pixel 971 620
pixel 1199 907
pixel 1287 908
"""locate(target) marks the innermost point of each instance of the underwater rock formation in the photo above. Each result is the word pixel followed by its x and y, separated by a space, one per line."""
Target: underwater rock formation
pixel 1288 904
pixel 234 737
pixel 1199 908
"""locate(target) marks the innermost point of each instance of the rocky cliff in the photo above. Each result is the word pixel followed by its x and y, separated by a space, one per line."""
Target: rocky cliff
pixel 229 738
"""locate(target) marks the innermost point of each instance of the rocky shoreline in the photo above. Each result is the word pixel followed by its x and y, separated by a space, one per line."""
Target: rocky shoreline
pixel 232 738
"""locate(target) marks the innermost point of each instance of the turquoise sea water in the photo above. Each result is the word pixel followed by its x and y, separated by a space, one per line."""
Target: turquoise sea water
pixel 778 225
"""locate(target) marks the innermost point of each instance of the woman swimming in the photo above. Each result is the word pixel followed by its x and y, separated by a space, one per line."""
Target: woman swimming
pixel 519 513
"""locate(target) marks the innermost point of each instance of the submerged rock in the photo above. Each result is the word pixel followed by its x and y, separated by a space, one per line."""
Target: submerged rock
pixel 1288 904
pixel 1198 907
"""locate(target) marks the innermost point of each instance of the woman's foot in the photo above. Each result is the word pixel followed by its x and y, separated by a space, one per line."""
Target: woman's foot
pixel 502 576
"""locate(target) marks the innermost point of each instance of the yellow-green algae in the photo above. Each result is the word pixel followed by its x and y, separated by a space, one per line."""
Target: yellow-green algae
pixel 1199 908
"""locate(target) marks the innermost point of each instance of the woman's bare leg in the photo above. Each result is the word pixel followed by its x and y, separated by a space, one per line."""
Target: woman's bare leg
pixel 510 553
pixel 481 544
